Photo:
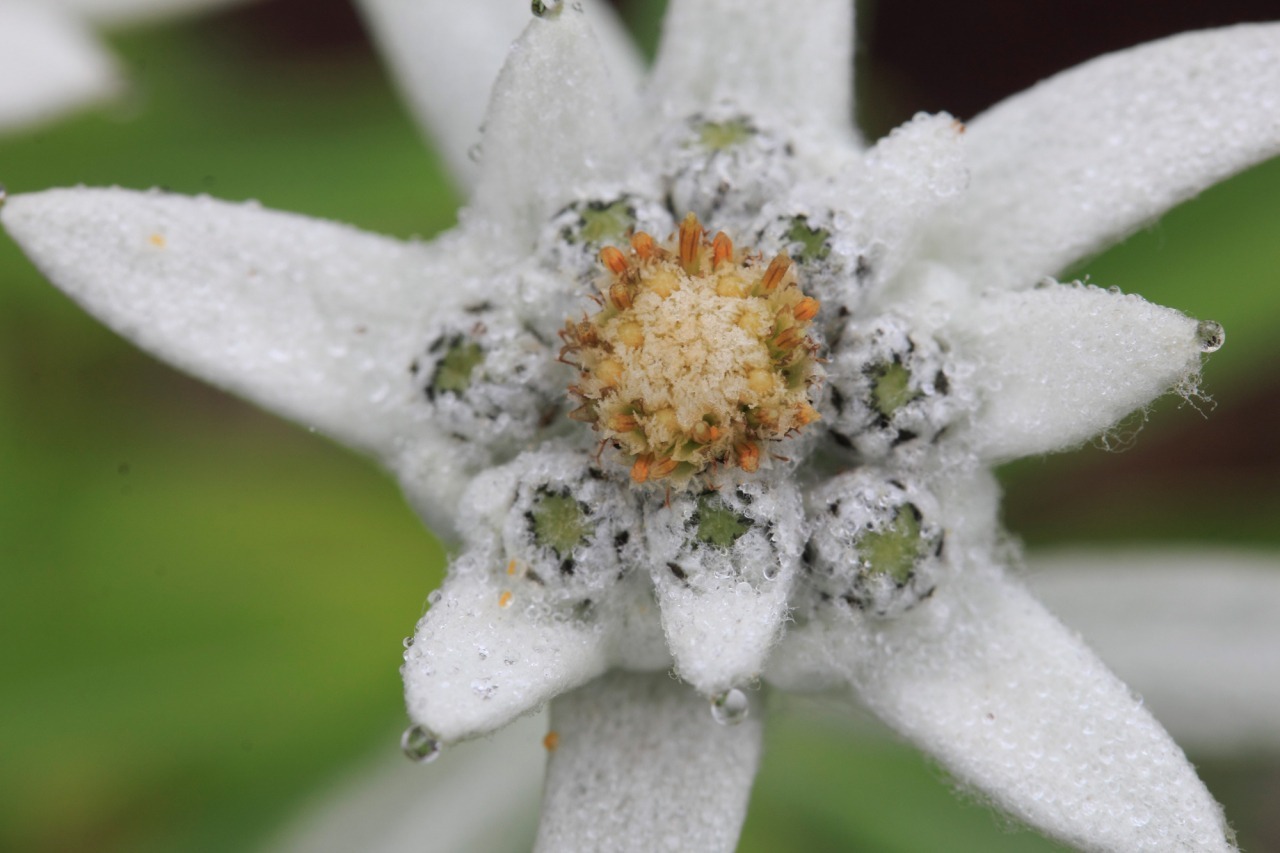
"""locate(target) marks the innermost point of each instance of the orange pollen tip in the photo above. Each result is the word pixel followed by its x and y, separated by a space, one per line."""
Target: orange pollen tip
pixel 620 295
pixel 662 468
pixel 640 469
pixel 777 269
pixel 690 240
pixel 642 245
pixel 807 309
pixel 551 741
pixel 511 567
pixel 504 598
pixel 748 456
pixel 721 249
pixel 612 257
pixel 788 339
pixel 623 423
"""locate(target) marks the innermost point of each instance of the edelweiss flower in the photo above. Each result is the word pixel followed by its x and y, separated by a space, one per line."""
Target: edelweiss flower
pixel 50 61
pixel 760 449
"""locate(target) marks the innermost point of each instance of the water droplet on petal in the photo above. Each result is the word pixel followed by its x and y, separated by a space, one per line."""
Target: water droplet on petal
pixel 547 8
pixel 1210 336
pixel 730 707
pixel 407 641
pixel 420 745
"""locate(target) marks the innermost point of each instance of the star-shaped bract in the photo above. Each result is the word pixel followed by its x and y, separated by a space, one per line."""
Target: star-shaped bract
pixel 873 531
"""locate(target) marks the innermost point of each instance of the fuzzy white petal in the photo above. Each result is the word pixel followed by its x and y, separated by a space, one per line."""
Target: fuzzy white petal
pixel 1083 159
pixel 1061 363
pixel 49 64
pixel 990 684
pixel 902 180
pixel 481 795
pixel 720 636
pixel 552 129
pixel 1013 704
pixel 479 660
pixel 641 766
pixel 445 56
pixel 788 63
pixel 1196 632
pixel 313 320
pixel 114 12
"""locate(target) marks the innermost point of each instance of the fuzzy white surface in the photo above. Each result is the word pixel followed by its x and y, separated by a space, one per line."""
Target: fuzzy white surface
pixel 445 56
pixel 642 766
pixel 1081 160
pixel 1195 631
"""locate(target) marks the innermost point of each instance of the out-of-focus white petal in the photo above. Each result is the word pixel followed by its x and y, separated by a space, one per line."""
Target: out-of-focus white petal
pixel 479 659
pixel 445 56
pixel 481 795
pixel 1083 159
pixel 316 321
pixel 990 684
pixel 1061 363
pixel 641 766
pixel 113 12
pixel 49 64
pixel 552 129
pixel 788 63
pixel 1196 632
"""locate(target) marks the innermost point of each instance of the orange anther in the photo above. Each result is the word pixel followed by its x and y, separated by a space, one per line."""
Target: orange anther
pixel 721 249
pixel 612 257
pixel 705 433
pixel 788 339
pixel 777 269
pixel 551 741
pixel 511 567
pixel 662 468
pixel 642 245
pixel 807 309
pixel 748 456
pixel 620 295
pixel 690 240
pixel 504 598
pixel 623 423
pixel 640 469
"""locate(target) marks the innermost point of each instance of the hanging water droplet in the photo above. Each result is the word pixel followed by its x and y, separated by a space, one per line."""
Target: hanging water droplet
pixel 407 641
pixel 1210 336
pixel 434 598
pixel 547 8
pixel 729 707
pixel 420 745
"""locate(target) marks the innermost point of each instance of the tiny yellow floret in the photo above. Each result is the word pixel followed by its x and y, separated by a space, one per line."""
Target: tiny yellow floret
pixel 700 353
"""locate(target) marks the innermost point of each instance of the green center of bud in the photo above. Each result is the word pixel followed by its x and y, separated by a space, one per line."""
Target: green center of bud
pixel 602 222
pixel 699 353
pixel 455 369
pixel 559 523
pixel 891 388
pixel 895 550
pixel 813 241
pixel 718 525
pixel 721 135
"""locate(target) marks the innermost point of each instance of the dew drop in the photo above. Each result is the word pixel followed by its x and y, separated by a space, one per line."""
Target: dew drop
pixel 407 641
pixel 1210 336
pixel 547 8
pixel 730 707
pixel 420 745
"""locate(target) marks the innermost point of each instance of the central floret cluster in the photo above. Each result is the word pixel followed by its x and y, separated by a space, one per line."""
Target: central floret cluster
pixel 700 352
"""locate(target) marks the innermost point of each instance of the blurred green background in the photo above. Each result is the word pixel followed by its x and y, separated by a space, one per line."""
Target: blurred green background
pixel 201 607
